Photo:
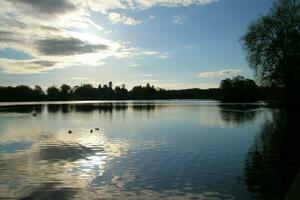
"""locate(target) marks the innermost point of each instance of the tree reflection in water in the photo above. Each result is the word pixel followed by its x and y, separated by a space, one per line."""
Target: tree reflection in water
pixel 235 114
pixel 273 159
pixel 187 159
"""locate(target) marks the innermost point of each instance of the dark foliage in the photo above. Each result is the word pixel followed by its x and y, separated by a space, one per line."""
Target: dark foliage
pixel 21 93
pixel 239 89
pixel 274 158
pixel 105 92
pixel 272 46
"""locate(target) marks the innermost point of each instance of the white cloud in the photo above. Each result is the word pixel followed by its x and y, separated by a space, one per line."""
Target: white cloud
pixel 28 25
pixel 139 53
pixel 30 66
pixel 116 18
pixel 191 46
pixel 222 73
pixel 179 19
pixel 43 41
pixel 152 17
pixel 140 4
pixel 163 55
pixel 107 6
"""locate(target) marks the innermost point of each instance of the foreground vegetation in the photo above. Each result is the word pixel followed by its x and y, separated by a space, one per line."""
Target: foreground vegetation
pixel 272 45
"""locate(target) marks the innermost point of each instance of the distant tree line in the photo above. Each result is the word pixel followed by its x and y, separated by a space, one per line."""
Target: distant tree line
pixel 237 89
pixel 102 92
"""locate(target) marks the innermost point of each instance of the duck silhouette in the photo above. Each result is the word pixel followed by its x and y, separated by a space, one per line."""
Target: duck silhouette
pixel 91 130
pixel 70 132
pixel 96 129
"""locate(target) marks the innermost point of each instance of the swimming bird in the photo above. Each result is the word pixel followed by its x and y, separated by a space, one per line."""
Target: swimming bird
pixel 96 129
pixel 69 131
pixel 91 130
pixel 34 114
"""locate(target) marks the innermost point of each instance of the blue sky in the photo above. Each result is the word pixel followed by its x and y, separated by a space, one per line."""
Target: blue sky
pixel 170 44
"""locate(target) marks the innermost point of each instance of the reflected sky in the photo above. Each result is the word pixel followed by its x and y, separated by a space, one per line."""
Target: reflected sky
pixel 143 149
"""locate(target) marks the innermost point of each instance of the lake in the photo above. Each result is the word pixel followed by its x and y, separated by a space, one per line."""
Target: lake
pixel 144 150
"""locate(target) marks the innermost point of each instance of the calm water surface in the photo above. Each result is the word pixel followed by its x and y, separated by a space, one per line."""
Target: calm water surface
pixel 143 149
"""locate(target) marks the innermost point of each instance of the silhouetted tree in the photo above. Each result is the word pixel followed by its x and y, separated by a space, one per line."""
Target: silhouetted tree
pixel 65 91
pixel 272 46
pixel 19 93
pixel 239 89
pixel 53 93
pixel 110 85
pixel 121 92
pixel 39 94
pixel 38 90
pixel 85 92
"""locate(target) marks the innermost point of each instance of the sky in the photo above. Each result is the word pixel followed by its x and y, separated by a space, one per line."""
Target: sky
pixel 173 44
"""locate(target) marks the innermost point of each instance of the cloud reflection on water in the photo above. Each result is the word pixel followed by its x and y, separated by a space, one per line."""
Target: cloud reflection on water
pixel 149 150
